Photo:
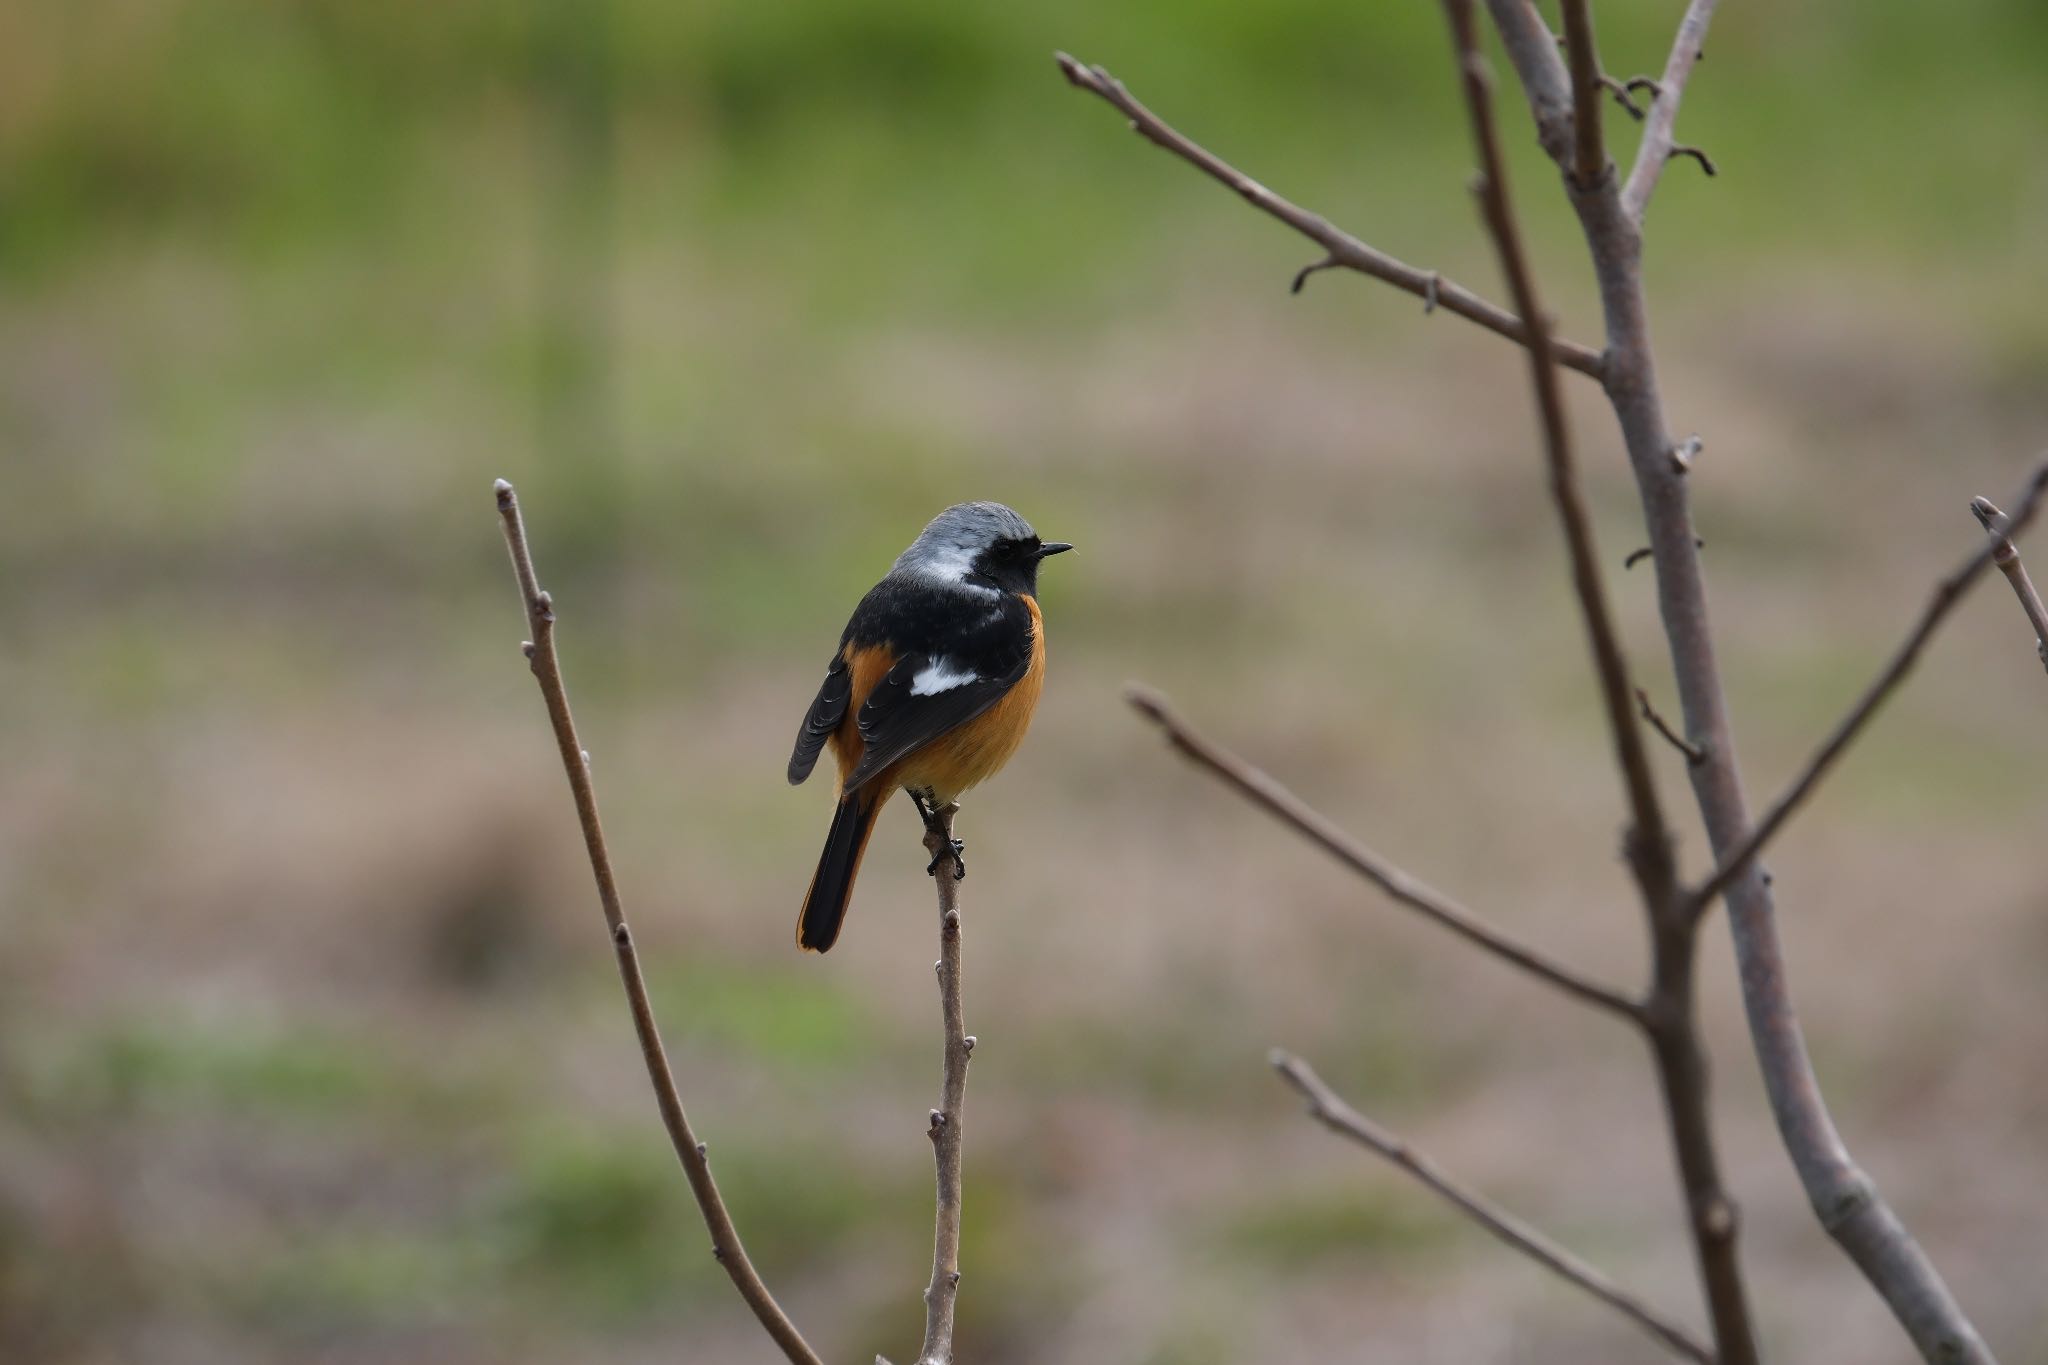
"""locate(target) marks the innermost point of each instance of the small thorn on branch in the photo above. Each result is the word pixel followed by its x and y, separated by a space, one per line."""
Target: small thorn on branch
pixel 1621 95
pixel 1301 275
pixel 1694 754
pixel 1696 153
pixel 1685 452
pixel 1636 556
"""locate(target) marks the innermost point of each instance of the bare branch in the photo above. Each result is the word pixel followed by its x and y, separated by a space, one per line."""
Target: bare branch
pixel 1844 1197
pixel 1693 753
pixel 1532 50
pixel 2008 561
pixel 1656 148
pixel 1669 1013
pixel 1947 593
pixel 547 671
pixel 1333 1113
pixel 1589 150
pixel 1343 248
pixel 1648 842
pixel 1264 792
pixel 945 1124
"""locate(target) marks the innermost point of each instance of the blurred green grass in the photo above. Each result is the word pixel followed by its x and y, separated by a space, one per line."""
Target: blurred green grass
pixel 339 207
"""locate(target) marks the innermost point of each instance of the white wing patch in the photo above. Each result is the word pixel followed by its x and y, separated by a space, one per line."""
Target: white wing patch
pixel 941 676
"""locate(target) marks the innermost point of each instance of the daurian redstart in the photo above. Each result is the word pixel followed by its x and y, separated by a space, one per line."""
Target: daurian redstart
pixel 931 688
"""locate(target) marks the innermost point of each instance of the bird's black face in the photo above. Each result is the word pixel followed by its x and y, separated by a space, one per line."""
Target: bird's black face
pixel 1012 565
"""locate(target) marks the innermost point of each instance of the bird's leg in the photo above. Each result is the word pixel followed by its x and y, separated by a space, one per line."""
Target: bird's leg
pixel 938 823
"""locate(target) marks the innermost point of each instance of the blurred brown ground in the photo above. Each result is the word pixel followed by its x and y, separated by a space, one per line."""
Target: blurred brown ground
pixel 310 1046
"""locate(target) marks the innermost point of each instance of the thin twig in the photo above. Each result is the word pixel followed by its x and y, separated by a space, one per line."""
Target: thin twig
pixel 2008 561
pixel 547 671
pixel 1333 1113
pixel 1589 154
pixel 1343 248
pixel 1698 154
pixel 944 1128
pixel 1623 96
pixel 1290 810
pixel 1947 593
pixel 1648 843
pixel 1656 147
pixel 1693 753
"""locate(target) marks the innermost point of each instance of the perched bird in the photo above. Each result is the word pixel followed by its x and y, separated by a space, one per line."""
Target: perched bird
pixel 931 688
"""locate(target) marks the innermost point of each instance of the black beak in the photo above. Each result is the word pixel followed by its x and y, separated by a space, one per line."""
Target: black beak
pixel 1053 547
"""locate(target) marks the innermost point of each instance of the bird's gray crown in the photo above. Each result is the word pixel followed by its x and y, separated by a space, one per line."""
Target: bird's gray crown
pixel 947 548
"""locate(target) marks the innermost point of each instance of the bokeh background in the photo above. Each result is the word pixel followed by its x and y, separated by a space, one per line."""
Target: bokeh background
pixel 310 1043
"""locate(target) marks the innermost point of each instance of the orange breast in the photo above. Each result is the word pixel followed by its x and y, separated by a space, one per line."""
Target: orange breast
pixel 970 754
pixel 963 757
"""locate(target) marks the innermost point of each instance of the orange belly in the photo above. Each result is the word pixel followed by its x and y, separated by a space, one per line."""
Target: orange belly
pixel 965 756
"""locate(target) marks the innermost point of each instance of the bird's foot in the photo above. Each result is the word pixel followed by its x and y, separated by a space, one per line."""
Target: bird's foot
pixel 955 848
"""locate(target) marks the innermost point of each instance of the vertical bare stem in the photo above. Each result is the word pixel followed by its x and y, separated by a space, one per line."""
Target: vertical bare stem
pixel 944 1290
pixel 1669 1012
pixel 1589 152
pixel 547 671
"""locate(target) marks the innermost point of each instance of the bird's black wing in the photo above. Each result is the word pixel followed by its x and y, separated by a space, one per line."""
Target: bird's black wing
pixel 827 711
pixel 929 692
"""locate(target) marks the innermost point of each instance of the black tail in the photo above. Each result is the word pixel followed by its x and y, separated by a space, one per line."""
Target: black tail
pixel 817 929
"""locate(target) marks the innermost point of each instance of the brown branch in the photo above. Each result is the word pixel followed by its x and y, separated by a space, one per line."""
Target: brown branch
pixel 1344 249
pixel 1648 843
pixel 1266 793
pixel 1844 1197
pixel 547 671
pixel 1589 150
pixel 1693 753
pixel 1657 148
pixel 1947 593
pixel 1670 1013
pixel 2008 561
pixel 1333 1113
pixel 944 1128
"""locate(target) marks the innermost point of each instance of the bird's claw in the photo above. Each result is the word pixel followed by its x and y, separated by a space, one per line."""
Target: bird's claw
pixel 954 850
